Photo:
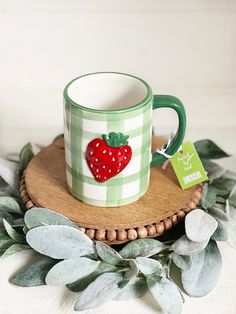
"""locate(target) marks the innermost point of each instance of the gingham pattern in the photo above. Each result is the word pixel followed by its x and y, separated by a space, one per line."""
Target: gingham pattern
pixel 81 127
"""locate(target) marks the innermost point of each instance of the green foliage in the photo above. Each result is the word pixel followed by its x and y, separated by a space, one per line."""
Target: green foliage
pixel 142 247
pixel 13 234
pixel 5 240
pixel 36 217
pixel 82 283
pixel 60 242
pixel 184 262
pixel 34 275
pixel 223 185
pixel 208 197
pixel 135 288
pixel 214 171
pixel 231 214
pixel 166 293
pixel 115 139
pixel 204 272
pixel 25 157
pixel 184 246
pixel 207 149
pixel 99 271
pixel 103 289
pixel 148 266
pixel 70 270
pixel 10 205
pixel 133 269
pixel 232 198
pixel 199 225
pixel 15 248
pixel 109 255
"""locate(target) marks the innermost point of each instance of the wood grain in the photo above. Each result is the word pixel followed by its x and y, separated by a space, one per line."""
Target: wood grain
pixel 163 205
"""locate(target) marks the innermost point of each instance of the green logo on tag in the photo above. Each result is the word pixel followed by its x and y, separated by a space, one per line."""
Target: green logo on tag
pixel 188 166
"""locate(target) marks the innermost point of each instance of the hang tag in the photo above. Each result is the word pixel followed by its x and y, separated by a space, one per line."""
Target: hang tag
pixel 188 166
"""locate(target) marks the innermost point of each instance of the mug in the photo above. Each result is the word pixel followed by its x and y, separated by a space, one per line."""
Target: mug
pixel 108 136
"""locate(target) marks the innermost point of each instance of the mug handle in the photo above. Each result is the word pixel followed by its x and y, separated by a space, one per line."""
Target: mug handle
pixel 166 101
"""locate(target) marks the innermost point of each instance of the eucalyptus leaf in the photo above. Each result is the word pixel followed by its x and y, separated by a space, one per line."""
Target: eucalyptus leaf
pixel 213 170
pixel 7 216
pixel 142 248
pixel 199 225
pixel 70 270
pixel 221 233
pixel 34 275
pixel 9 172
pixel 184 246
pixel 220 199
pixel 82 283
pixel 109 255
pixel 12 191
pixel 4 192
pixel 9 204
pixel 15 248
pixel 25 229
pixel 133 269
pixel 232 198
pixel 207 149
pixel 61 242
pixel 19 222
pixel 3 184
pixel 135 288
pixel 166 293
pixel 231 213
pixel 184 262
pixel 148 266
pixel 25 156
pixel 13 233
pixel 218 213
pixel 5 240
pixel 204 273
pixel 229 174
pixel 208 197
pixel 232 235
pixel 224 184
pixel 38 216
pixel 104 288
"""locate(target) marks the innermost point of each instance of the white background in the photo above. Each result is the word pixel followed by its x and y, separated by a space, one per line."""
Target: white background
pixel 186 48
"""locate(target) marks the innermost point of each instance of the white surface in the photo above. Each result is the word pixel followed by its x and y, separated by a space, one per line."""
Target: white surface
pixel 182 47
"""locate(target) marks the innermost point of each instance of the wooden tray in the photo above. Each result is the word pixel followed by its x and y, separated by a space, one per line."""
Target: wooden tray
pixel 163 205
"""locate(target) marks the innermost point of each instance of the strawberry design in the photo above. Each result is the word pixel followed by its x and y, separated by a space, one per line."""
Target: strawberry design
pixel 108 156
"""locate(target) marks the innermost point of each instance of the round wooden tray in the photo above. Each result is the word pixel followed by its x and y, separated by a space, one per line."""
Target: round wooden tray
pixel 164 204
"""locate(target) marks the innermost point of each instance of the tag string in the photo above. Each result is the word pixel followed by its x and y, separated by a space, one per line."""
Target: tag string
pixel 164 148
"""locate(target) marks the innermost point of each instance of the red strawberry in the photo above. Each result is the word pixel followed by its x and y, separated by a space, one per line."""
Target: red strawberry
pixel 108 156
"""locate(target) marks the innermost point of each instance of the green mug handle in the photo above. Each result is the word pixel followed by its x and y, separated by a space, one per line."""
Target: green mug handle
pixel 166 101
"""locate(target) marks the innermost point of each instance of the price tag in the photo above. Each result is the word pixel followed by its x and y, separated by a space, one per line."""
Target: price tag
pixel 188 166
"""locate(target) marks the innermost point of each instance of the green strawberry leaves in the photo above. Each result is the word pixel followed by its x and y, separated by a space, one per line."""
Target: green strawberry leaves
pixel 115 139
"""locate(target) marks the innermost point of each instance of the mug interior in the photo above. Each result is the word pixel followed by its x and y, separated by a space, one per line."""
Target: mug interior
pixel 107 91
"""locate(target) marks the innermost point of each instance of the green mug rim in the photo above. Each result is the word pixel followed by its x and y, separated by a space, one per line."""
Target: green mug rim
pixel 138 105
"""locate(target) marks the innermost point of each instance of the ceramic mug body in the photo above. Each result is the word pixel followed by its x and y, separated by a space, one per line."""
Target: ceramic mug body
pixel 108 131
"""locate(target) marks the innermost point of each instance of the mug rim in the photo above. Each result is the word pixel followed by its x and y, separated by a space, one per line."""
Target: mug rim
pixel 138 105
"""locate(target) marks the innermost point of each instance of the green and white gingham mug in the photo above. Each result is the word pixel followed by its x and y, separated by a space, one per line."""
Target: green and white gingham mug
pixel 108 130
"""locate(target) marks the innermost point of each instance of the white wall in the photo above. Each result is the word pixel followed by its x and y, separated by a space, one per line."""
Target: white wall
pixel 186 48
